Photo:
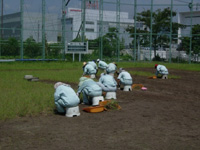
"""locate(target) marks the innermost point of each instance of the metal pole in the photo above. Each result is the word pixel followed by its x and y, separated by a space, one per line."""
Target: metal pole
pixel 118 28
pixel 101 29
pixel 170 51
pixel 43 29
pixel 135 15
pixel 83 20
pixel 1 38
pixel 2 19
pixel 63 28
pixel 191 13
pixel 22 28
pixel 151 28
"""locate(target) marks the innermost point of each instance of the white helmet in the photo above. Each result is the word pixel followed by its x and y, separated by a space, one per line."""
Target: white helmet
pixel 98 60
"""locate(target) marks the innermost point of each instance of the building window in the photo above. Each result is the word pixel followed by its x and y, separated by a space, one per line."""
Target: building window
pixel 89 22
pixel 89 30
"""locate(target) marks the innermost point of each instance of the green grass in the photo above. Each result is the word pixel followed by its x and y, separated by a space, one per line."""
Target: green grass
pixel 187 67
pixel 19 97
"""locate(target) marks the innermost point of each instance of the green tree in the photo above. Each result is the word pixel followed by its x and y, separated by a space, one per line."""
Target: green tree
pixel 160 27
pixel 31 48
pixel 110 42
pixel 185 44
pixel 10 47
pixel 55 49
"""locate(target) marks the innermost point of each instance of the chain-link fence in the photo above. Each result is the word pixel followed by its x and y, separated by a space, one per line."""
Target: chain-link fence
pixel 117 30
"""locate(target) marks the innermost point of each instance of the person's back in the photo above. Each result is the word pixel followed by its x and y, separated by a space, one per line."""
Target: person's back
pixel 90 86
pixel 102 65
pixel 125 78
pixel 89 69
pixel 111 68
pixel 64 96
pixel 161 69
pixel 93 64
pixel 108 81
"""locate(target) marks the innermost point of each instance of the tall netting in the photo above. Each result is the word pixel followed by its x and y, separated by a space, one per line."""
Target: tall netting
pixel 113 30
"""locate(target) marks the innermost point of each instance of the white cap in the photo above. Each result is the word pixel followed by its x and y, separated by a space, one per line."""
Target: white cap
pixel 98 60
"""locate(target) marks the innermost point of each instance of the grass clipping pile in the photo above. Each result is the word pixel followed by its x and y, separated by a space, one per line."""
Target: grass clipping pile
pixel 110 105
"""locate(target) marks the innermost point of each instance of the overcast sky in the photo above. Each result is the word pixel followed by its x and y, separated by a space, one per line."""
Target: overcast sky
pixel 55 6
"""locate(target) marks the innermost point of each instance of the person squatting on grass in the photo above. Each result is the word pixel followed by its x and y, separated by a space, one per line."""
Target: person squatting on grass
pixel 88 69
pixel 65 96
pixel 161 70
pixel 89 89
pixel 124 78
pixel 107 83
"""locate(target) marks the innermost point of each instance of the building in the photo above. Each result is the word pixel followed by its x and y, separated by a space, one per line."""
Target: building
pixel 92 22
pixel 185 19
pixel 32 24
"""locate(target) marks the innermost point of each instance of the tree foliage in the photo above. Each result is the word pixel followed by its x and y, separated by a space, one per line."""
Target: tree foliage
pixel 31 48
pixel 185 44
pixel 110 40
pixel 160 27
pixel 10 47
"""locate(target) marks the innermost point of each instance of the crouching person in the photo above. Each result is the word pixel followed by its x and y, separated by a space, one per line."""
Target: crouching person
pixel 89 69
pixel 65 96
pixel 161 71
pixel 89 89
pixel 124 78
pixel 111 69
pixel 107 83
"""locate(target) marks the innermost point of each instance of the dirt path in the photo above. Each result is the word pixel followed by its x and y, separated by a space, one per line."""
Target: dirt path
pixel 165 117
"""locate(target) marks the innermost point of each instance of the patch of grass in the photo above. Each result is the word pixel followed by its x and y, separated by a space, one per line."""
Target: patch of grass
pixel 187 67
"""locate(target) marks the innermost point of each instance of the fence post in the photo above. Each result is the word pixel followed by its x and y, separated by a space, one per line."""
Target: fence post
pixel 43 29
pixel 63 28
pixel 135 15
pixel 191 13
pixel 22 28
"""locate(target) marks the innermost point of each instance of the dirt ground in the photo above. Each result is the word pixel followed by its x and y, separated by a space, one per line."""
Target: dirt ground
pixel 165 117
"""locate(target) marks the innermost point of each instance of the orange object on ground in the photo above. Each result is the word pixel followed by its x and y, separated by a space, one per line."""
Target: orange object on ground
pixel 106 102
pixel 94 109
pixel 153 77
pixel 137 86
pixel 103 103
